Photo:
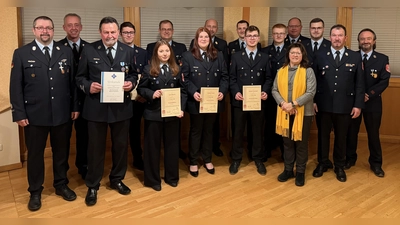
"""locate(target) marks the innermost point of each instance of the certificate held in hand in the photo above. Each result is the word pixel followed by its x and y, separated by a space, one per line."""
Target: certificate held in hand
pixel 252 98
pixel 111 87
pixel 209 100
pixel 171 102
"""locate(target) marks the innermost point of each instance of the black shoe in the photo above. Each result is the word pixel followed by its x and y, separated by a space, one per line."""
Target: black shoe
pixel 378 171
pixel 182 154
pixel 285 175
pixel 91 197
pixel 121 187
pixel 35 202
pixel 156 187
pixel 340 174
pixel 261 168
pixel 329 164
pixel 172 184
pixel 234 167
pixel 194 173
pixel 138 164
pixel 210 171
pixel 66 193
pixel 299 179
pixel 218 152
pixel 349 164
pixel 319 171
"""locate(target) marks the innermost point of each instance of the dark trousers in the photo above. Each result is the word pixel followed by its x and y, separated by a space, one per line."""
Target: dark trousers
pixel 372 121
pixel 216 132
pixel 168 133
pixel 135 131
pixel 257 121
pixel 340 123
pixel 297 151
pixel 97 147
pixel 35 139
pixel 319 141
pixel 201 137
pixel 249 129
pixel 81 137
pixel 271 139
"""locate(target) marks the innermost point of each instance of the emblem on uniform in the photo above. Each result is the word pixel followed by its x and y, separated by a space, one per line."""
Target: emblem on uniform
pixel 258 73
pixel 346 54
pixel 58 48
pixel 65 44
pixel 374 56
pixel 199 74
pixel 82 87
pixel 83 45
pixel 122 64
pixel 34 48
pixel 99 47
pixel 61 67
pixel 387 68
pixel 242 53
pixel 328 53
pixel 215 74
pixel 33 75
pixel 233 51
pixel 216 42
pixel 374 73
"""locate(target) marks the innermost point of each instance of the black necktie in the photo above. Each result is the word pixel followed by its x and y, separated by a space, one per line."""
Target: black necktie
pixel 278 50
pixel 75 51
pixel 165 68
pixel 365 59
pixel 242 45
pixel 204 54
pixel 109 55
pixel 315 47
pixel 337 58
pixel 251 58
pixel 47 53
pixel 293 41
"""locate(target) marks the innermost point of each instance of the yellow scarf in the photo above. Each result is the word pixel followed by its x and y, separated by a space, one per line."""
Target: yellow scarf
pixel 299 88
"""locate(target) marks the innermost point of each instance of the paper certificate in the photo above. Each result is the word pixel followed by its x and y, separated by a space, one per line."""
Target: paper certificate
pixel 252 98
pixel 112 83
pixel 171 102
pixel 209 99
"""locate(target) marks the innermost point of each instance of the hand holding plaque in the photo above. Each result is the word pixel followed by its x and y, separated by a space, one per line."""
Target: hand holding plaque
pixel 209 100
pixel 252 98
pixel 171 102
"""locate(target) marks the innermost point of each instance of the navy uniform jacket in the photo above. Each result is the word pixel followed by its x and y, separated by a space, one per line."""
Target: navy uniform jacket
pixel 376 76
pixel 325 46
pixel 242 73
pixel 234 46
pixel 178 49
pixel 275 62
pixel 220 45
pixel 301 39
pixel 93 61
pixel 149 84
pixel 140 59
pixel 339 88
pixel 43 92
pixel 199 73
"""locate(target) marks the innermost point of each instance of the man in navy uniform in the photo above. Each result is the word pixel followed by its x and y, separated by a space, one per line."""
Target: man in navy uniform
pixel 43 100
pixel 166 30
pixel 276 57
pixel 317 43
pixel 73 27
pixel 376 76
pixel 248 67
pixel 339 98
pixel 107 54
pixel 138 102
pixel 294 32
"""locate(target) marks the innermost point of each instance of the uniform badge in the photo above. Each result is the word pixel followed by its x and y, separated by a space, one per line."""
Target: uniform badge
pixel 122 64
pixel 65 44
pixel 82 87
pixel 346 54
pixel 233 51
pixel 387 68
pixel 242 53
pixel 374 56
pixel 215 74
pixel 58 48
pixel 99 47
pixel 373 73
pixel 61 67
pixel 34 48
pixel 33 75
pixel 258 73
pixel 183 77
pixel 199 74
pixel 216 42
pixel 329 53
pixel 12 65
pixel 83 45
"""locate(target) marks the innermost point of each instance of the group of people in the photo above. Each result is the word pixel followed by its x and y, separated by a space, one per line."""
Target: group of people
pixel 57 85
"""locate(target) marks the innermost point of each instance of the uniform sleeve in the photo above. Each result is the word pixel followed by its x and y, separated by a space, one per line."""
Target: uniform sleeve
pixel 17 88
pixel 359 84
pixel 224 82
pixel 190 87
pixel 234 87
pixel 82 79
pixel 378 88
pixel 143 86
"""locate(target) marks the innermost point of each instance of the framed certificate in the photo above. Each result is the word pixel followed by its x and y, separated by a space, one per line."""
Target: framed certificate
pixel 171 102
pixel 111 90
pixel 251 97
pixel 209 100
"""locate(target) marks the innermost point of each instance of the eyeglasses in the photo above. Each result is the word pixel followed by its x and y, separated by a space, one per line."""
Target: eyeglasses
pixel 295 53
pixel 166 29
pixel 44 28
pixel 252 36
pixel 128 33
pixel 278 34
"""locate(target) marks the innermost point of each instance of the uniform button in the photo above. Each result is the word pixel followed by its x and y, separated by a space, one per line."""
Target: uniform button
pixel 52 97
pixel 208 78
pixel 251 77
pixel 208 85
pixel 26 101
pixel 334 90
pixel 335 83
pixel 337 69
pixel 251 70
pixel 278 63
pixel 208 71
pixel 49 68
pixel 251 83
pixel 335 76
pixel 52 88
pixel 51 78
pixel 111 68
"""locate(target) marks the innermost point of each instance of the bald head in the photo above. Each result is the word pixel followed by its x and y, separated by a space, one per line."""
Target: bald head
pixel 212 25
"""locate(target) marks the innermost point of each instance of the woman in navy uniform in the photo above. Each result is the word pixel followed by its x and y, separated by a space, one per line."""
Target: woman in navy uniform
pixel 203 66
pixel 163 72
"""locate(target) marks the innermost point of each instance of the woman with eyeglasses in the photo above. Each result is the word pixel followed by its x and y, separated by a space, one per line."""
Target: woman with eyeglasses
pixel 161 73
pixel 203 66
pixel 293 90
